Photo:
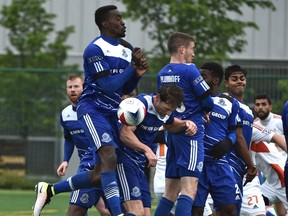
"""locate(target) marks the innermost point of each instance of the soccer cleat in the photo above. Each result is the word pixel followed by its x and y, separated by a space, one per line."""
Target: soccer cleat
pixel 42 198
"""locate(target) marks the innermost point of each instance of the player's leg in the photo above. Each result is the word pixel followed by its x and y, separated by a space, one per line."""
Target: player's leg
pixel 101 208
pixel 103 132
pixel 189 165
pixel 172 182
pixel 74 210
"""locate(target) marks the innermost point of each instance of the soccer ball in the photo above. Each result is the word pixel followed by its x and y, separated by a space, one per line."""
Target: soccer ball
pixel 131 111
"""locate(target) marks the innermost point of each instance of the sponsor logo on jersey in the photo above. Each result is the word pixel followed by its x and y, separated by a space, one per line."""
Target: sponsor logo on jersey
pixel 116 71
pixel 198 80
pixel 170 79
pixel 106 138
pixel 218 115
pixel 79 131
pixel 255 207
pixel 136 192
pixel 94 59
pixel 84 198
pixel 149 128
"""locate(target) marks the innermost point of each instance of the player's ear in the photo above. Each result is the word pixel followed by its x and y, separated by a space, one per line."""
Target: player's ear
pixel 226 83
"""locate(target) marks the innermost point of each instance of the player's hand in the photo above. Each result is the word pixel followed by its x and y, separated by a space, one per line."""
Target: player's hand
pixel 207 118
pixel 151 157
pixel 62 168
pixel 251 172
pixel 221 148
pixel 139 62
pixel 191 128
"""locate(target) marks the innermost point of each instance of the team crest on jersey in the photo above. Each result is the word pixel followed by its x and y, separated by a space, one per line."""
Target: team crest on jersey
pixel 124 53
pixel 106 138
pixel 84 198
pixel 200 166
pixel 136 192
pixel 222 102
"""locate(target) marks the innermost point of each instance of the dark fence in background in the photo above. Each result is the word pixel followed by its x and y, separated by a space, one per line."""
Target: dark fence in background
pixel 36 152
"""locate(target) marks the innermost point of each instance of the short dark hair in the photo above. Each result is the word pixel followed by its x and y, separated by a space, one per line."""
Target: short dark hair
pixel 178 39
pixel 215 68
pixel 234 68
pixel 171 94
pixel 101 14
pixel 263 96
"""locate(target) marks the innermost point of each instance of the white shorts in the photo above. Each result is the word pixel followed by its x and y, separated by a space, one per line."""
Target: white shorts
pixel 274 195
pixel 252 201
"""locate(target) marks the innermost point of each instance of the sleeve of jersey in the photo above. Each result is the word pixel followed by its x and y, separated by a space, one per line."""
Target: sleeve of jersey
pixel 100 69
pixel 234 118
pixel 68 149
pixel 202 90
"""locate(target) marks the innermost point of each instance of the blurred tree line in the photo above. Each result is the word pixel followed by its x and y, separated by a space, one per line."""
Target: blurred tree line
pixel 36 44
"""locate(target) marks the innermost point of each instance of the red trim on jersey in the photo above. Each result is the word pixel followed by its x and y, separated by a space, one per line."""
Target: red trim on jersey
pixel 280 173
pixel 259 147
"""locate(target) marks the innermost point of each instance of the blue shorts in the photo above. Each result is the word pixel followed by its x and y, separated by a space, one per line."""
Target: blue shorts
pixel 88 197
pixel 133 184
pixel 219 181
pixel 100 129
pixel 185 155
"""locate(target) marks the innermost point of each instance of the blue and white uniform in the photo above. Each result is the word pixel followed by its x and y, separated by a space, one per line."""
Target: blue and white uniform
pixel 235 160
pixel 74 137
pixel 108 75
pixel 185 154
pixel 217 177
pixel 285 128
pixel 131 163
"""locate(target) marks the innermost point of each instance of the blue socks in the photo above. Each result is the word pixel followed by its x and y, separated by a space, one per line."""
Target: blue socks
pixel 78 181
pixel 111 192
pixel 184 205
pixel 164 207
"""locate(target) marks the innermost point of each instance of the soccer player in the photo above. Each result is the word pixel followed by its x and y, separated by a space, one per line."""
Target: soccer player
pixel 112 68
pixel 271 159
pixel 285 128
pixel 138 142
pixel 185 154
pixel 217 177
pixel 240 157
pixel 74 136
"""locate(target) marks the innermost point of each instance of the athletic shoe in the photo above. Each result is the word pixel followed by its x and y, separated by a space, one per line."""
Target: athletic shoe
pixel 42 198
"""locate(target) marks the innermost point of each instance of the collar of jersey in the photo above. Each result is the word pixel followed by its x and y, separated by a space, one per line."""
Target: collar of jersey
pixel 113 41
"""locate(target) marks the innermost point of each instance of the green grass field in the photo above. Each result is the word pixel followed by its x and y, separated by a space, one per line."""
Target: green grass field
pixel 19 203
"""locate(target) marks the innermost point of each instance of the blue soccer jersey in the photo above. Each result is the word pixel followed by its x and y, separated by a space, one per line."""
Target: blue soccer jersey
pixel 108 75
pixel 74 137
pixel 187 76
pixel 235 160
pixel 217 177
pixel 285 128
pixel 223 119
pixel 131 163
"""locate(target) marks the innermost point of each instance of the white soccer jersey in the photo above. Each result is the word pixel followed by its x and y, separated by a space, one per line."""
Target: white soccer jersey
pixel 273 122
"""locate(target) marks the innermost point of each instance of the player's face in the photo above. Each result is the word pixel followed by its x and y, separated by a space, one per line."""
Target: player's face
pixel 116 25
pixel 236 83
pixel 74 89
pixel 189 53
pixel 163 108
pixel 262 108
pixel 207 76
